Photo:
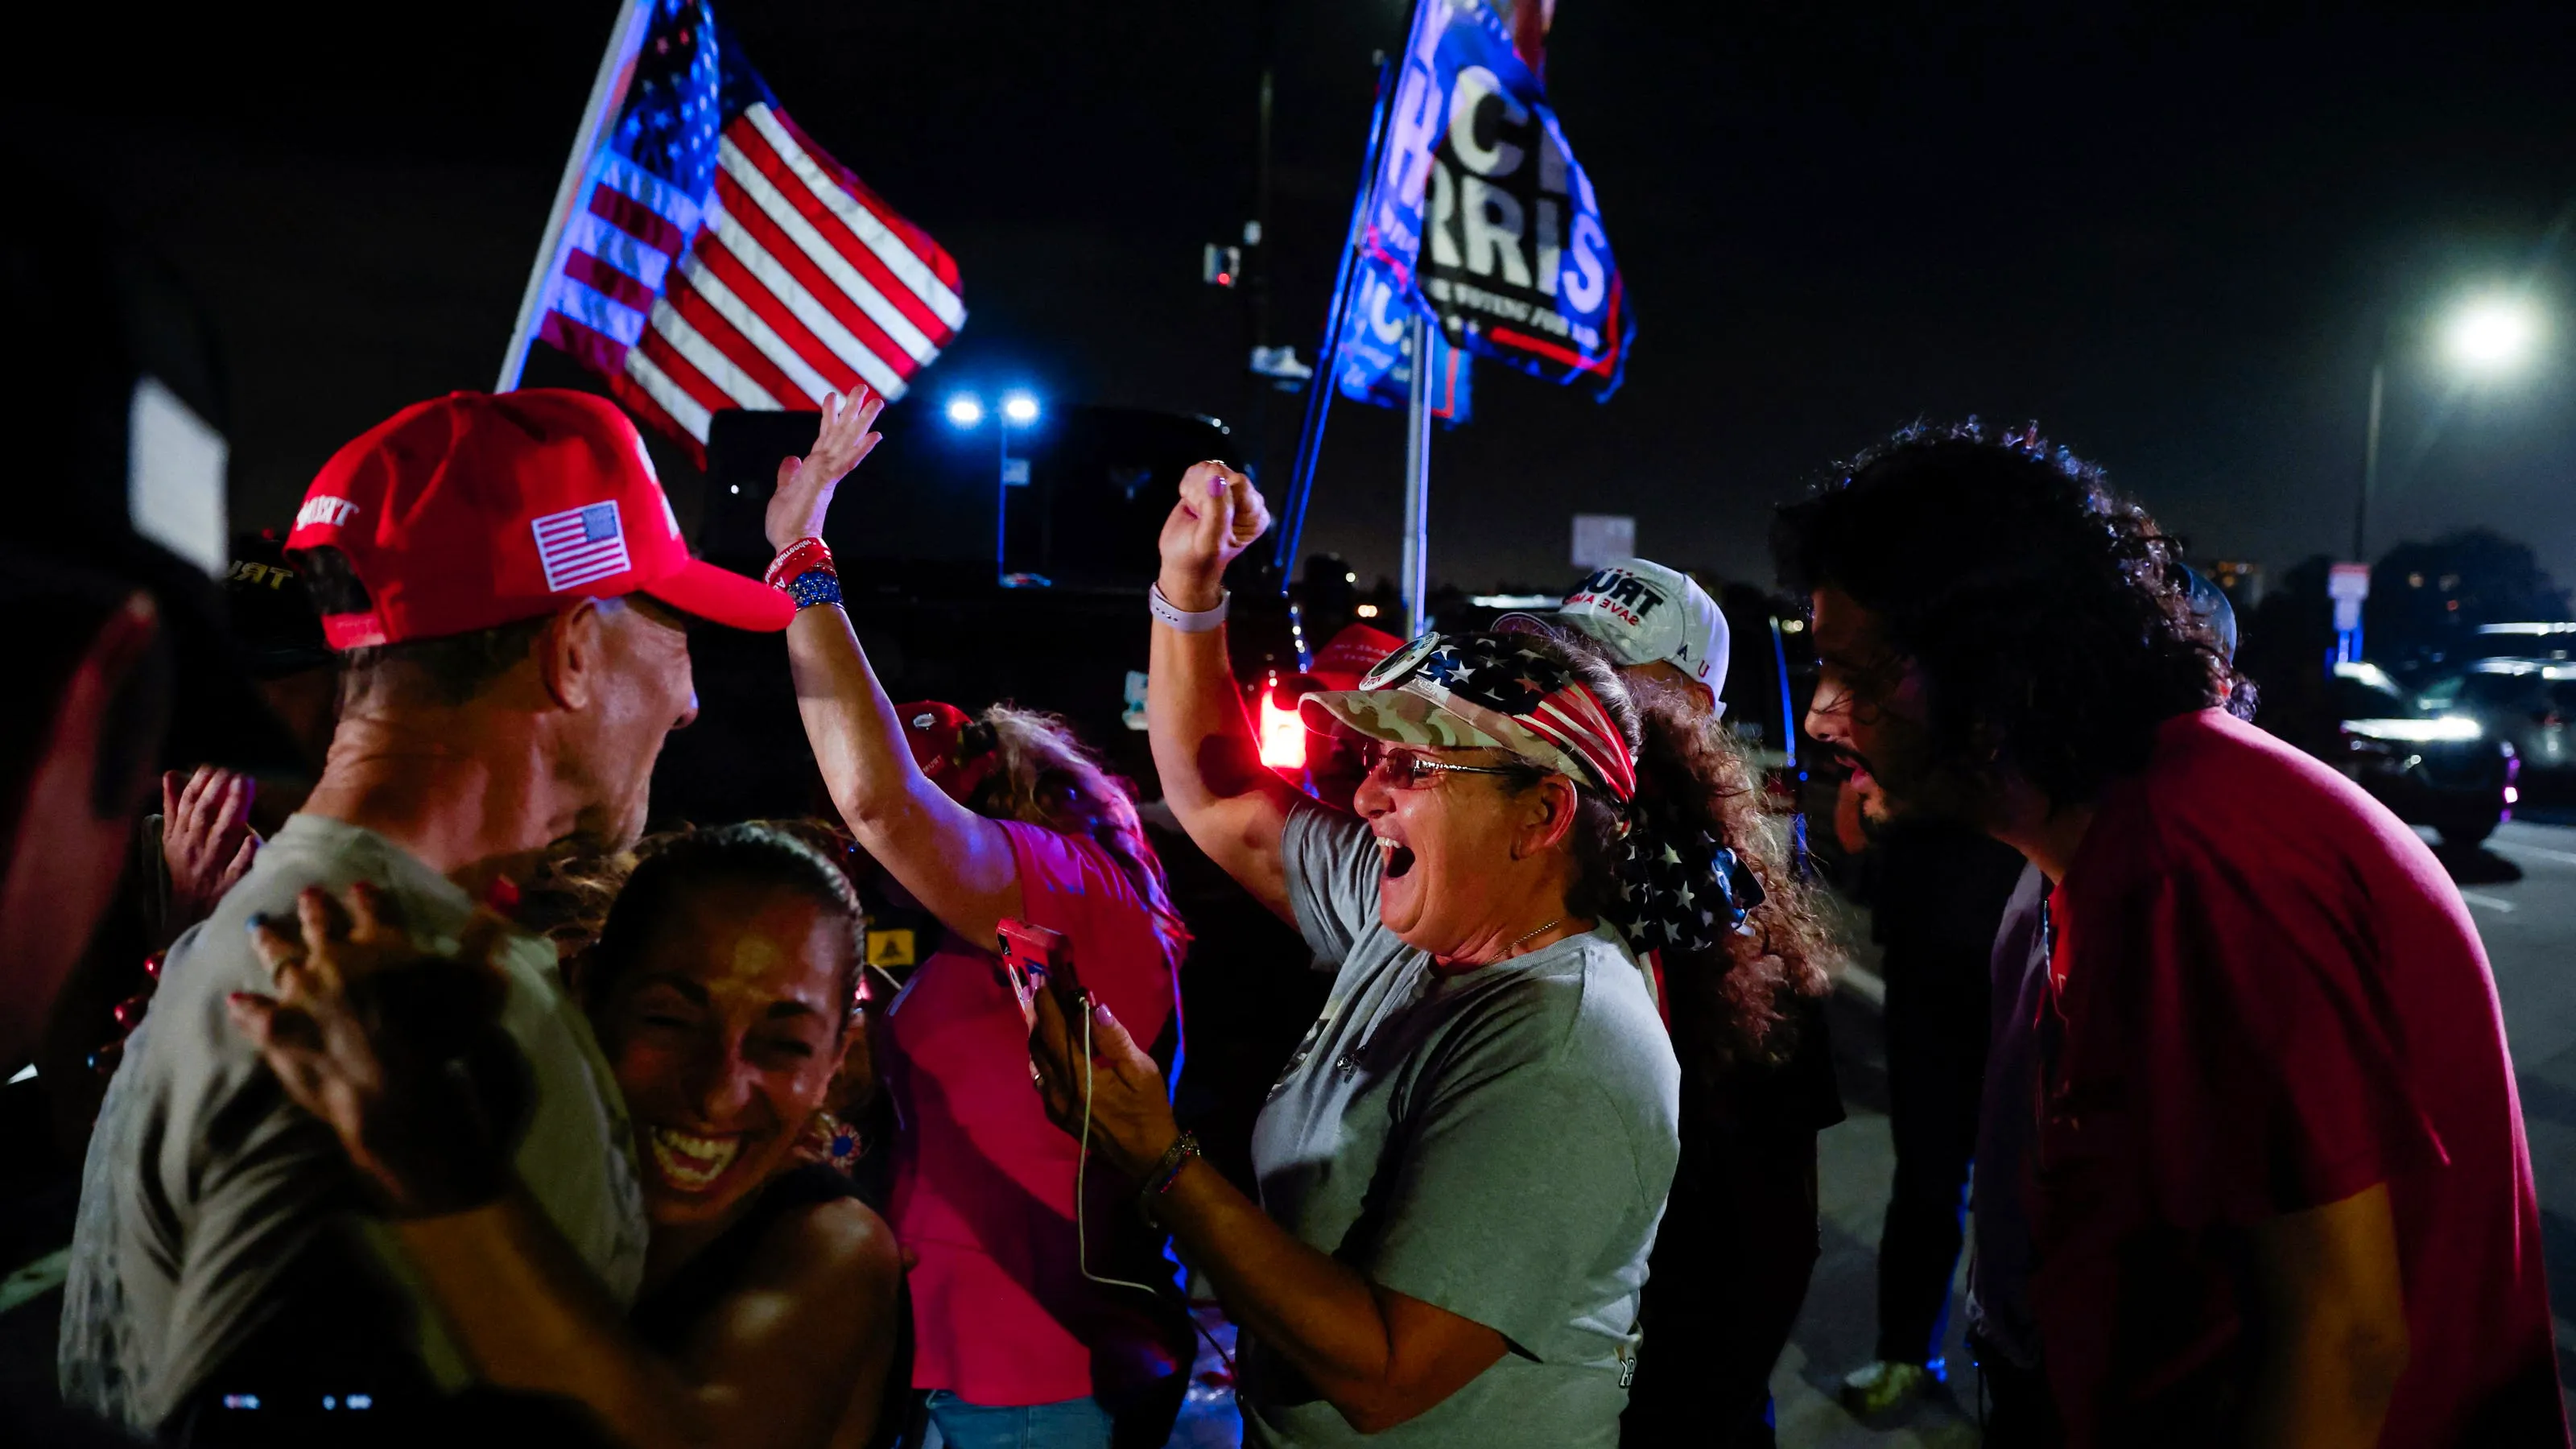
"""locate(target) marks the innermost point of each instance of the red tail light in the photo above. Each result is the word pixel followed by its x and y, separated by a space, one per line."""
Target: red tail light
pixel 1283 734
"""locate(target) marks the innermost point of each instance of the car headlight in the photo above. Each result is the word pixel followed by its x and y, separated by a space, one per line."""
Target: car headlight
pixel 2449 727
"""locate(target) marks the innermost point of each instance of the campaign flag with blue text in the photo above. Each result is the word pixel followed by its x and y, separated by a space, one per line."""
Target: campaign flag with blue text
pixel 1374 363
pixel 715 257
pixel 1480 212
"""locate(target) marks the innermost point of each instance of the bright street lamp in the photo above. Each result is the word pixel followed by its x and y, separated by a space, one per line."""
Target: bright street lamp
pixel 1019 410
pixel 2493 334
pixel 2486 338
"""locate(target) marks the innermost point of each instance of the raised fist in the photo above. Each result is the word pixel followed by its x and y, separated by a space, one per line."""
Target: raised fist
pixel 1219 515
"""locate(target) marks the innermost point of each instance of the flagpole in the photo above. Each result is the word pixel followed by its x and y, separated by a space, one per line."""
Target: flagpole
pixel 607 94
pixel 1417 483
pixel 1319 397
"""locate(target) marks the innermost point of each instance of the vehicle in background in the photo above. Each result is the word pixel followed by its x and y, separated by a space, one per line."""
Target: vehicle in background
pixel 2548 643
pixel 2439 768
pixel 2528 703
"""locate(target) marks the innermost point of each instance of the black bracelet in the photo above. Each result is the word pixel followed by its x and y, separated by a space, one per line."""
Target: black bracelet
pixel 1166 1172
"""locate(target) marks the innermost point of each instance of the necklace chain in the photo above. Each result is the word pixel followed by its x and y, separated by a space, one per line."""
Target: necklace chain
pixel 1516 945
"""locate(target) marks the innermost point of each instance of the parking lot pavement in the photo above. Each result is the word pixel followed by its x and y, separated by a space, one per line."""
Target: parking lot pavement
pixel 1838 1327
pixel 2522 890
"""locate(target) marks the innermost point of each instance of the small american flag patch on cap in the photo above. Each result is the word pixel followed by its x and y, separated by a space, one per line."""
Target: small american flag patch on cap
pixel 581 546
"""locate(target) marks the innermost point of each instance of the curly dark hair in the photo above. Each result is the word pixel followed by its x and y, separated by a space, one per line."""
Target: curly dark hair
pixel 2050 617
pixel 1738 1003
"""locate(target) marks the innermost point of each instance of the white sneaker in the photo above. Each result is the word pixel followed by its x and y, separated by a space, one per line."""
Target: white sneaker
pixel 1875 1388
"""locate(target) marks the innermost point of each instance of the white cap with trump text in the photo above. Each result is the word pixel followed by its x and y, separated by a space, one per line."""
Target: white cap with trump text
pixel 1645 613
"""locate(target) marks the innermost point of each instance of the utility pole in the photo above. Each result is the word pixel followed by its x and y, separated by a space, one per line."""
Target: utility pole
pixel 2369 458
pixel 1417 482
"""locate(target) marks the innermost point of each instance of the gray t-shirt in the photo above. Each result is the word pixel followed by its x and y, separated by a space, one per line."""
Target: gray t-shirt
pixel 1496 1142
pixel 204 1182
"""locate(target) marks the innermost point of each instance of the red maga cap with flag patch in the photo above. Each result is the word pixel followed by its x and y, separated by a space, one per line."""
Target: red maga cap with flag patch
pixel 473 510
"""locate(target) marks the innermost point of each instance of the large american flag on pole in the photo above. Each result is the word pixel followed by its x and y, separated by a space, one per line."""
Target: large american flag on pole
pixel 715 257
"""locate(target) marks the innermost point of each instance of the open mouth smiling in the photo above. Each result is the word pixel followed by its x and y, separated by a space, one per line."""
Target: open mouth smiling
pixel 691 1163
pixel 1394 857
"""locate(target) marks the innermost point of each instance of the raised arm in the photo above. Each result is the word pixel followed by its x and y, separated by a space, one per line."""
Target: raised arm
pixel 1204 748
pixel 955 862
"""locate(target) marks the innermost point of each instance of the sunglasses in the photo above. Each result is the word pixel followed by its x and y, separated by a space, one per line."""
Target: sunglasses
pixel 1412 770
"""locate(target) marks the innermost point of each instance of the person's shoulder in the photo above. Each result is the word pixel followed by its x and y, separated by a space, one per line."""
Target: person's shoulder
pixel 2220 790
pixel 1314 826
pixel 1589 996
pixel 839 1244
pixel 1061 861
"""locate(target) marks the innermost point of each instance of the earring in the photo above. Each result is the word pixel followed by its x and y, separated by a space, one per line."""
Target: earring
pixel 830 1141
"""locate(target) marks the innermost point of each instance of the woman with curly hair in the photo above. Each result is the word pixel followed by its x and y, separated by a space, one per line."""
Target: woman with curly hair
pixel 2275 1165
pixel 976 820
pixel 1461 1169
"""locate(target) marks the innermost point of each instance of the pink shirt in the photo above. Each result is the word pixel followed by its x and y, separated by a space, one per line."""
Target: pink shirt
pixel 983 1182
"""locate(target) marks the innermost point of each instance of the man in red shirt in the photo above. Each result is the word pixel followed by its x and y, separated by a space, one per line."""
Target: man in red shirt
pixel 2278 1186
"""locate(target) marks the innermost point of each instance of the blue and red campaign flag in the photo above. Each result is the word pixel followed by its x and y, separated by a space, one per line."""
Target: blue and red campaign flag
pixel 1374 363
pixel 715 257
pixel 1481 214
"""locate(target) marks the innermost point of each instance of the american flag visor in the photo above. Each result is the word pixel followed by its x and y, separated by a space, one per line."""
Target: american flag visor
pixel 1484 691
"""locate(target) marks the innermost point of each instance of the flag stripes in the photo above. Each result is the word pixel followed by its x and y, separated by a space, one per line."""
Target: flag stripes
pixel 722 260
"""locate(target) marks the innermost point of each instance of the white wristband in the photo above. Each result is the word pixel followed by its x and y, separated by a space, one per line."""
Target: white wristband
pixel 1182 620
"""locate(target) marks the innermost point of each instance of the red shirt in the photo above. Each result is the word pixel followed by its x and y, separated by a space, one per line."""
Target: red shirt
pixel 2268 997
pixel 983 1182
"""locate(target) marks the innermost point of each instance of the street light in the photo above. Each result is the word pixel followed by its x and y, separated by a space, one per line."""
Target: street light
pixel 2486 338
pixel 2493 334
pixel 1019 410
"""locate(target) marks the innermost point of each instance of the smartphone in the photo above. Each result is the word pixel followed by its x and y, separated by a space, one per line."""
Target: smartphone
pixel 1037 959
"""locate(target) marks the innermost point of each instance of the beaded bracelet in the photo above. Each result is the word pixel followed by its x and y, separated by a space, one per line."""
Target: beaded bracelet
pixel 815 586
pixel 1167 1171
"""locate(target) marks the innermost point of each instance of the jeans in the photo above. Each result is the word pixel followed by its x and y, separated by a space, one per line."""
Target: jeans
pixel 1071 1424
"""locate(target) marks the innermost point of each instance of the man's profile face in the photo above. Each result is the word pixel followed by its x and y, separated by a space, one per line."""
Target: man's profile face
pixel 1869 711
pixel 648 691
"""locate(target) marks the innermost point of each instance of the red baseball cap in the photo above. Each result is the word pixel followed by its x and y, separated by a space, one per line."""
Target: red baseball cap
pixel 476 509
pixel 1351 653
pixel 937 735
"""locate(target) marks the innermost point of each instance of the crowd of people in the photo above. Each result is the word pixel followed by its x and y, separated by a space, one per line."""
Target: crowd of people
pixel 458 1104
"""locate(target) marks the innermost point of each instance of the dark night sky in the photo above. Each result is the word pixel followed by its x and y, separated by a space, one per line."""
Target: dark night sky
pixel 2171 235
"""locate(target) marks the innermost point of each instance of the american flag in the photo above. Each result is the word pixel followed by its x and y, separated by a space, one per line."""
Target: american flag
pixel 719 259
pixel 581 545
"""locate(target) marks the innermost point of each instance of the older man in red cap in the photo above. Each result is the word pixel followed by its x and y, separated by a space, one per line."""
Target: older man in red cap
pixel 510 594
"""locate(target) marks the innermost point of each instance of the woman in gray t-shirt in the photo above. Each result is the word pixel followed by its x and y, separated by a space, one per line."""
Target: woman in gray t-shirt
pixel 1462 1166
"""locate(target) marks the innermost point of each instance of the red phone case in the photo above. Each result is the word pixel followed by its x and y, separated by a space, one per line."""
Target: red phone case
pixel 1037 959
